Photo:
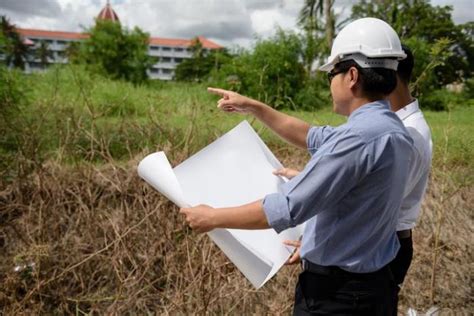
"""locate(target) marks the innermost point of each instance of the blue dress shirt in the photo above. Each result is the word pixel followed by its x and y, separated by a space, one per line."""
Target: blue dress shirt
pixel 349 192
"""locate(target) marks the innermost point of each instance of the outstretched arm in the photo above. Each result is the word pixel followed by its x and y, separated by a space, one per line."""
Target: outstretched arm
pixel 291 129
pixel 204 218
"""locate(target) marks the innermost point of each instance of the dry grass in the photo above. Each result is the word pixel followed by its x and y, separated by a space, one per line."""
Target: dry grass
pixel 98 240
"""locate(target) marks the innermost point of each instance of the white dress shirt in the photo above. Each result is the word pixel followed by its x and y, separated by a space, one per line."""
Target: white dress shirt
pixel 414 121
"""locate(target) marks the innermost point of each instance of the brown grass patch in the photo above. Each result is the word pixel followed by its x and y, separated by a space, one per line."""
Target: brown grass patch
pixel 98 240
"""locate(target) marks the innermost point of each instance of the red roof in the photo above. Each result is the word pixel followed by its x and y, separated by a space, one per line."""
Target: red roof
pixel 183 42
pixel 107 13
pixel 153 40
pixel 52 34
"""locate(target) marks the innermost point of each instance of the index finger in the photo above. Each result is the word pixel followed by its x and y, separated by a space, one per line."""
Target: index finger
pixel 280 172
pixel 293 243
pixel 217 91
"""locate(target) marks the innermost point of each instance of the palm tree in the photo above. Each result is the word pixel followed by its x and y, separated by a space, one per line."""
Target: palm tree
pixel 43 53
pixel 15 50
pixel 73 52
pixel 6 27
pixel 313 9
pixel 197 48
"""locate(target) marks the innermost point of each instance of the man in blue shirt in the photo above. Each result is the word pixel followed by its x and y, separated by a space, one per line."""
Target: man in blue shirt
pixel 350 191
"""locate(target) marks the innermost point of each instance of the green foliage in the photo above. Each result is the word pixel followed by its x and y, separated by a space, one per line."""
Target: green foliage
pixel 67 113
pixel 117 52
pixel 468 92
pixel 273 72
pixel 11 45
pixel 311 15
pixel 426 73
pixel 12 98
pixel 201 64
pixel 12 102
pixel 439 100
pixel 315 94
pixel 72 52
pixel 314 45
pixel 11 93
pixel 43 53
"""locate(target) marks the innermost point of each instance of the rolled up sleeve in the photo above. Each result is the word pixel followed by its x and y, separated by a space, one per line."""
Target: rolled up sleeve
pixel 276 209
pixel 327 177
pixel 316 136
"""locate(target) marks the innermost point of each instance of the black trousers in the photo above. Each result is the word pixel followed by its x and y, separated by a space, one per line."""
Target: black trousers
pixel 345 294
pixel 399 266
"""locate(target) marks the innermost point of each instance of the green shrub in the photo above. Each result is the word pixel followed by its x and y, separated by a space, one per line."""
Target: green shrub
pixel 442 100
pixel 314 95
pixel 12 97
pixel 468 91
pixel 272 73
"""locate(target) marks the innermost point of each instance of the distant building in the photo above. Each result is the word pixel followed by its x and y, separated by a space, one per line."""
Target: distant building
pixel 170 51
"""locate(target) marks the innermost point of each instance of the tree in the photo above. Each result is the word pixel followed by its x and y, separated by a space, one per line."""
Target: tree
pixel 201 63
pixel 312 10
pixel 43 53
pixel 72 52
pixel 116 52
pixel 421 22
pixel 273 72
pixel 16 52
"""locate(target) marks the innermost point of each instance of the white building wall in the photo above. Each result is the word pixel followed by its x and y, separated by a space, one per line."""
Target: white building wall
pixel 169 56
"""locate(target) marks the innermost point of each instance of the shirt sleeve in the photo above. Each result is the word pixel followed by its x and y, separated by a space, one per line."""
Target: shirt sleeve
pixel 326 179
pixel 316 136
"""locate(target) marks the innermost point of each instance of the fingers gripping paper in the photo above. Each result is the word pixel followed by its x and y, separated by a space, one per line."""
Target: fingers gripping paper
pixel 233 170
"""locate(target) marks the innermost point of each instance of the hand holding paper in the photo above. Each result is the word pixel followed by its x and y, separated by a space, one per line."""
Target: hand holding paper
pixel 200 218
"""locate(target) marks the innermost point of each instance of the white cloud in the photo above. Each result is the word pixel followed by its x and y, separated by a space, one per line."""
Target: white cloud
pixel 462 9
pixel 46 8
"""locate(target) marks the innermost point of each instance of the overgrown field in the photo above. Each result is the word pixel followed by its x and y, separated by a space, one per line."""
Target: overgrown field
pixel 80 233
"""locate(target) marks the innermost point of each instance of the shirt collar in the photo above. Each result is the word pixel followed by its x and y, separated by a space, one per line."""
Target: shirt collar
pixel 408 110
pixel 370 107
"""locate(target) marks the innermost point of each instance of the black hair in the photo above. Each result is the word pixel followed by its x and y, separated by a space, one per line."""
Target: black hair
pixel 376 83
pixel 405 66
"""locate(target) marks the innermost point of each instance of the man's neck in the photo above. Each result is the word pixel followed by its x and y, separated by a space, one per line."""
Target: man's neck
pixel 400 97
pixel 357 103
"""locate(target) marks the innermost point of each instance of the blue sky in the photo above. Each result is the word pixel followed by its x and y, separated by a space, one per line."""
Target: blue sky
pixel 228 22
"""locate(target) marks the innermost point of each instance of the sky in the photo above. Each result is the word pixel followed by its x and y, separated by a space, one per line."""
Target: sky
pixel 231 23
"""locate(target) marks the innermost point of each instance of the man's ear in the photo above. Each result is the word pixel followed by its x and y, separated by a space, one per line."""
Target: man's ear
pixel 353 77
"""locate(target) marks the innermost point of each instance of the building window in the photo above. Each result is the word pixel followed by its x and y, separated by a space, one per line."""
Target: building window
pixel 155 47
pixel 62 42
pixel 165 59
pixel 166 49
pixel 167 71
pixel 178 49
pixel 178 60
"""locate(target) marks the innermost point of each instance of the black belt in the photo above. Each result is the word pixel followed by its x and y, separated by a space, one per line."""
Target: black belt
pixel 336 271
pixel 402 234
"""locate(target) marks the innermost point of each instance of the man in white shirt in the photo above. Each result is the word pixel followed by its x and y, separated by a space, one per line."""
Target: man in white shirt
pixel 407 109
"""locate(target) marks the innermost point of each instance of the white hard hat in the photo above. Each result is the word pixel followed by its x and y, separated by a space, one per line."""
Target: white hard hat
pixel 370 42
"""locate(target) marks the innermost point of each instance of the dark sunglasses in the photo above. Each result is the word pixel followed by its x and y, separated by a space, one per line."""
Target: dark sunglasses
pixel 333 73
